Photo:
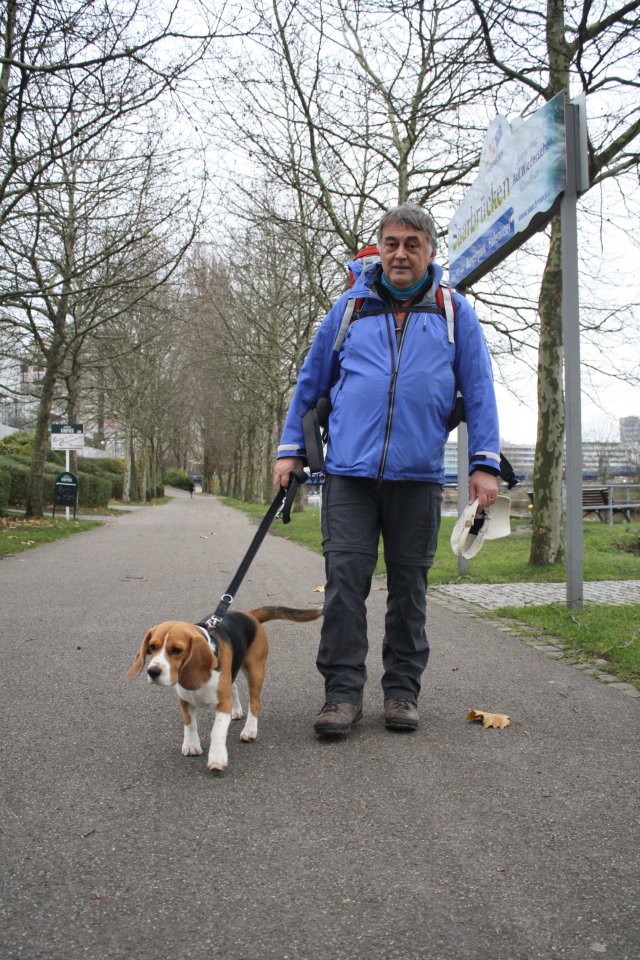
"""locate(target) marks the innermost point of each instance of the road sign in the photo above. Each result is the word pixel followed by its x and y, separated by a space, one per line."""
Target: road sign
pixel 67 436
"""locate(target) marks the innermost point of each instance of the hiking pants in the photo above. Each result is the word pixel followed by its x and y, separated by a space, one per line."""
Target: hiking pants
pixel 355 512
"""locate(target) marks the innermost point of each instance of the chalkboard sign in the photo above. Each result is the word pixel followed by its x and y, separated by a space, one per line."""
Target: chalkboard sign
pixel 65 492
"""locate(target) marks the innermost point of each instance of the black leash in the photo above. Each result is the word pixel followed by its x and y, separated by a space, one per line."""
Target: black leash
pixel 282 503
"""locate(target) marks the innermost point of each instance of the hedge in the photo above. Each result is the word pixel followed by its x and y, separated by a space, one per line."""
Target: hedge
pixel 93 490
pixel 177 478
pixel 5 490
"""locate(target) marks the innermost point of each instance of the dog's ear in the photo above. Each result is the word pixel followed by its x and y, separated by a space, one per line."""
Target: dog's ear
pixel 140 657
pixel 199 662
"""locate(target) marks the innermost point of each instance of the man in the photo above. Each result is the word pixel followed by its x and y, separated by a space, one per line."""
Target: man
pixel 392 382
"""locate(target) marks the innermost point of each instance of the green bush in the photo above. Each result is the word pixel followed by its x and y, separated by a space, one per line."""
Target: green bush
pixel 18 474
pixel 117 484
pixel 16 455
pixel 5 489
pixel 177 478
pixel 93 490
pixel 17 443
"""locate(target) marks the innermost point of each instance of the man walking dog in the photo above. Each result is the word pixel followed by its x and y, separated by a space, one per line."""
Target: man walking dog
pixel 392 377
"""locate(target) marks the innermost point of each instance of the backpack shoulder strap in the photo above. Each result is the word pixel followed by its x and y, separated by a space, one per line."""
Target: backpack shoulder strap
pixel 347 316
pixel 444 299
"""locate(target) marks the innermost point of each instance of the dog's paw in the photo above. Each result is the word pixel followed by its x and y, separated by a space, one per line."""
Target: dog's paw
pixel 217 763
pixel 218 760
pixel 191 750
pixel 250 731
pixel 237 714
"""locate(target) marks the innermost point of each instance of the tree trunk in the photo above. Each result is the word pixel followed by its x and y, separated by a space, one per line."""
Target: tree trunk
pixel 35 497
pixel 547 542
pixel 144 479
pixel 130 484
pixel 7 49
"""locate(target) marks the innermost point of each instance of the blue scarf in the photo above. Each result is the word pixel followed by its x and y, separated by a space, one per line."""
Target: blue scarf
pixel 406 292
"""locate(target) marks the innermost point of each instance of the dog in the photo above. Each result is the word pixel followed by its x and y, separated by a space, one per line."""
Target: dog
pixel 202 665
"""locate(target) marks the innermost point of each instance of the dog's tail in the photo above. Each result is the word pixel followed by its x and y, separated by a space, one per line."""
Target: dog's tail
pixel 286 613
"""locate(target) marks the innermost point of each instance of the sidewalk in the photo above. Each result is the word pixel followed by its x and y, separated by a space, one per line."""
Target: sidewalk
pixel 450 843
pixel 521 594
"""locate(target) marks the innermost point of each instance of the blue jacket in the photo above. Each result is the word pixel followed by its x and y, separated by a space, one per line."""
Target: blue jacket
pixel 391 402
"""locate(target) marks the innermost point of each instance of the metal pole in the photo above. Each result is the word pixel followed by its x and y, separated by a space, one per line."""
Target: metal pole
pixel 463 481
pixel 67 465
pixel 571 339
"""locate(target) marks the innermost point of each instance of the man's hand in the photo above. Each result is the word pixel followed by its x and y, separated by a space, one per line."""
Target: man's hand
pixel 282 470
pixel 483 487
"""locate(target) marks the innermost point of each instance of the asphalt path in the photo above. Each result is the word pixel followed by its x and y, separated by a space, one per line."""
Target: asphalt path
pixel 450 843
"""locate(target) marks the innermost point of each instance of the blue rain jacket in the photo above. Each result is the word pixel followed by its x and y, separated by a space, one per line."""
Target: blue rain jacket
pixel 391 400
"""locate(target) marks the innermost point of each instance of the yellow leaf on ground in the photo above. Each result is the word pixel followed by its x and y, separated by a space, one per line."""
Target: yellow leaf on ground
pixel 497 720
pixel 318 589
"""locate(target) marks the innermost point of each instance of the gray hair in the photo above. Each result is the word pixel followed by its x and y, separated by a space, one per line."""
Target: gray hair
pixel 411 215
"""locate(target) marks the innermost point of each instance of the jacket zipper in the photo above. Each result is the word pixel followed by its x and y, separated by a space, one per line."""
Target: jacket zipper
pixel 392 387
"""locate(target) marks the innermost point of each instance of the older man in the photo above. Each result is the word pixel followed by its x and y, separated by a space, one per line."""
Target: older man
pixel 392 378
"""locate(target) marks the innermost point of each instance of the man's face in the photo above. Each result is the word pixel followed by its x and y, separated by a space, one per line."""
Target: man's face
pixel 405 253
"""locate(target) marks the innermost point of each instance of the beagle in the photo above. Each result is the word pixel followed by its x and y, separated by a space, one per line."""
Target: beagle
pixel 202 665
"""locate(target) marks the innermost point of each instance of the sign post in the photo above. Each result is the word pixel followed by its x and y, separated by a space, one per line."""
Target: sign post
pixel 67 437
pixel 529 171
pixel 577 182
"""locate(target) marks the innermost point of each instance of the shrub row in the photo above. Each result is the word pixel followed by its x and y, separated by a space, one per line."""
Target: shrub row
pixel 93 490
pixel 99 480
pixel 177 478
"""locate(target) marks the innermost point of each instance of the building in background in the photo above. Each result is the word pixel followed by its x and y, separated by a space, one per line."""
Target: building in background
pixel 602 462
pixel 630 431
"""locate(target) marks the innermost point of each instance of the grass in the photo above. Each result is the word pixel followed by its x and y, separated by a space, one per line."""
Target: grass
pixel 609 632
pixel 17 535
pixel 499 561
pixel 604 631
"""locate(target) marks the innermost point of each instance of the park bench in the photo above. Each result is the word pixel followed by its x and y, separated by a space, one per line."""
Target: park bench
pixel 599 500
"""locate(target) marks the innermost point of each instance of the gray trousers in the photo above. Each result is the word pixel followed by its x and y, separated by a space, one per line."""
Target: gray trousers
pixel 355 512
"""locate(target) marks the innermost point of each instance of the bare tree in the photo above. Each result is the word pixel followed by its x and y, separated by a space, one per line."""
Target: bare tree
pixel 351 107
pixel 104 229
pixel 247 332
pixel 133 52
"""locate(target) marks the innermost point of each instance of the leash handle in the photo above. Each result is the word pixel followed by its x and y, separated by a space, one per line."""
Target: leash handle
pixel 296 479
pixel 282 503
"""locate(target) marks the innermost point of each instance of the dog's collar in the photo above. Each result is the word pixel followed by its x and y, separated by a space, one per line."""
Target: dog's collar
pixel 209 636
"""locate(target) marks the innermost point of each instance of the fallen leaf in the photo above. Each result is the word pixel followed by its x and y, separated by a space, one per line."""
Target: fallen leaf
pixel 497 720
pixel 318 589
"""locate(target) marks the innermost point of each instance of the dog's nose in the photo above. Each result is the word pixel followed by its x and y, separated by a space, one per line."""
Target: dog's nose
pixel 154 672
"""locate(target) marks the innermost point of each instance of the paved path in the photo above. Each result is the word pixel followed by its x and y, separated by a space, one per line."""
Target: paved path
pixel 453 843
pixel 521 594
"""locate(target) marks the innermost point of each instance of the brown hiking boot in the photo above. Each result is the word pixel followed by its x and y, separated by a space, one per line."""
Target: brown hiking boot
pixel 337 718
pixel 400 714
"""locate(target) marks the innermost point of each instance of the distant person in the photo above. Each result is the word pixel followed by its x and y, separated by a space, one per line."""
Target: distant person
pixel 392 385
pixel 192 487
